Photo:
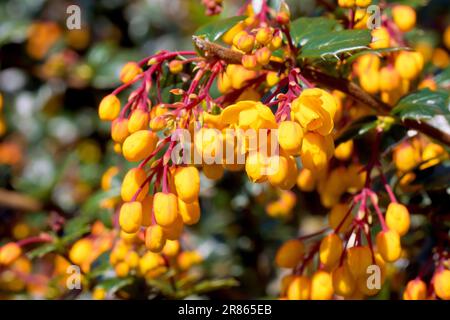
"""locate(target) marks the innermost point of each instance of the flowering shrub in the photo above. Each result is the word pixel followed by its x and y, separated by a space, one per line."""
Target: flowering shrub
pixel 328 107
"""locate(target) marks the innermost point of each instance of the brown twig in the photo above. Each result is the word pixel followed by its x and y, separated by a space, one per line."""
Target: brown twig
pixel 215 51
pixel 18 201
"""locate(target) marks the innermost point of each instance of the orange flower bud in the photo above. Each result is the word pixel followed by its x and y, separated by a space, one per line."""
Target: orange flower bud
pixel 285 172
pixel 187 183
pixel 139 145
pixel 213 171
pixel 264 36
pixel 404 17
pixel 263 56
pixel 81 251
pixel 176 66
pixel 130 217
pixel 337 214
pixel 343 282
pixel 171 248
pixel 109 108
pixel 165 208
pixel 388 244
pixel 299 288
pixel 131 184
pixel 119 130
pixel 321 286
pixel 397 218
pixel 249 61
pixel 306 180
pixel 415 290
pixel 129 72
pixel 9 253
pixel 290 137
pixel 442 284
pixel 290 253
pixel 138 120
pixel 358 259
pixel 154 238
pixel 174 231
pixel 344 150
pixel 330 249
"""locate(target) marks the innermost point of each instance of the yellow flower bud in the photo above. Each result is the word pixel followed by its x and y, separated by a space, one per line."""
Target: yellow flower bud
pixel 138 120
pixel 165 208
pixel 290 137
pixel 442 284
pixel 397 218
pixel 130 217
pixel 230 34
pixel 131 184
pixel 154 238
pixel 284 173
pixel 389 79
pixel 299 288
pixel 132 259
pixel 244 41
pixel 370 81
pixel 276 43
pixel 171 248
pixel 256 166
pixel 176 66
pixel 190 212
pixel 306 180
pixel 129 72
pixel 263 56
pixel 404 17
pixel 107 177
pixel 249 61
pixel 264 36
pixel 174 231
pixel 388 244
pixel 343 282
pixel 187 259
pixel 150 261
pixel 187 183
pixel 147 210
pixel 9 253
pixel 406 157
pixel 358 259
pixel 415 290
pixel 109 108
pixel 330 250
pixel 122 269
pixel 99 293
pixel 346 3
pixel 363 3
pixel 367 62
pixel 81 251
pixel 272 78
pixel 290 254
pixel 344 150
pixel 158 123
pixel 380 38
pixel 321 286
pixel 119 130
pixel 139 145
pixel 314 109
pixel 316 151
pixel 409 64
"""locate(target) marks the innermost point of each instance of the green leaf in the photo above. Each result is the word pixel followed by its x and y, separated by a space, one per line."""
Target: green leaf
pixel 41 251
pixel 306 28
pixel 335 43
pixel 113 284
pixel 423 104
pixel 443 78
pixel 358 128
pixel 214 30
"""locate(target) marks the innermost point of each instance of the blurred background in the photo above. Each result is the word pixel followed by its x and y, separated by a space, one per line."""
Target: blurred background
pixel 54 149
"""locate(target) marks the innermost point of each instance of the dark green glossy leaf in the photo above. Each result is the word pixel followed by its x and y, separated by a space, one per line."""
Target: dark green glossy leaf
pixel 42 250
pixel 331 44
pixel 306 28
pixel 216 29
pixel 423 104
